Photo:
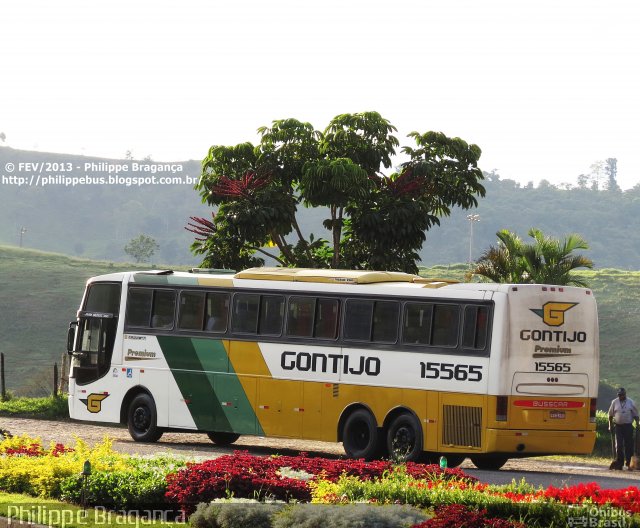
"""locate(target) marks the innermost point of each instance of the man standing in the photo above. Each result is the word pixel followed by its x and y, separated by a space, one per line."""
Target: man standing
pixel 622 414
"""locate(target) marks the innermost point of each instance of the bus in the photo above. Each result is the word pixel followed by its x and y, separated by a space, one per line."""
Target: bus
pixel 388 363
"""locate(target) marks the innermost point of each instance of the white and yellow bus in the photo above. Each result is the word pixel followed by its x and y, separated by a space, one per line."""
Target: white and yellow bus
pixel 384 362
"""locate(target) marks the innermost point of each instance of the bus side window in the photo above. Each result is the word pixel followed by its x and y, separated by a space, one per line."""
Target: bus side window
pixel 245 313
pixel 417 324
pixel 164 307
pixel 446 318
pixel 358 316
pixel 300 316
pixel 139 307
pixel 271 315
pixel 217 312
pixel 191 310
pixel 385 321
pixel 474 333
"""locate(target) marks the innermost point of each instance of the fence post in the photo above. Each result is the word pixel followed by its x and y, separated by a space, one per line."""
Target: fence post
pixel 4 387
pixel 55 379
pixel 63 383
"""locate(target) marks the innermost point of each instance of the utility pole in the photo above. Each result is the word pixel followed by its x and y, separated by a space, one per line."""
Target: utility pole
pixel 23 230
pixel 472 218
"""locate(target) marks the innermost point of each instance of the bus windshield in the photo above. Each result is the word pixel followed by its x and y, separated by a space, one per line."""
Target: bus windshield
pixel 95 336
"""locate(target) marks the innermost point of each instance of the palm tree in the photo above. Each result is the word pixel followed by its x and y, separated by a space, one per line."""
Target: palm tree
pixel 502 263
pixel 547 261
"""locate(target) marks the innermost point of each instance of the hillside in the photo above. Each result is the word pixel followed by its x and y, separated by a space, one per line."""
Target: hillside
pixel 96 221
pixel 39 297
pixel 41 292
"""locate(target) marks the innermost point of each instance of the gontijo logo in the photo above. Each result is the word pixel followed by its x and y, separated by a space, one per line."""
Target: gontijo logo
pixel 552 313
pixel 94 401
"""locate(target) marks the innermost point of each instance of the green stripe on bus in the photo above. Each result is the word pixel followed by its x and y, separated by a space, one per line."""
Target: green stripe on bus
pixel 217 399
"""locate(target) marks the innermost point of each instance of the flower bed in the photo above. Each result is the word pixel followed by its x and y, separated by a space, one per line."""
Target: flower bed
pixel 117 481
pixel 246 476
pixel 120 481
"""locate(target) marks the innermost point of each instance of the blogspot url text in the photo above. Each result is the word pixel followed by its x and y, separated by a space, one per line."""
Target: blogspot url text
pixel 44 180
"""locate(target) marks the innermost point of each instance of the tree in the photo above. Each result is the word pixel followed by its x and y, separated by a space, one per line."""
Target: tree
pixel 141 248
pixel 3 137
pixel 611 169
pixel 547 260
pixel 375 221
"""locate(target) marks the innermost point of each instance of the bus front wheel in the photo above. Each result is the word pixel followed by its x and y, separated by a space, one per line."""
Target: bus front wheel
pixel 404 438
pixel 360 435
pixel 142 419
pixel 223 439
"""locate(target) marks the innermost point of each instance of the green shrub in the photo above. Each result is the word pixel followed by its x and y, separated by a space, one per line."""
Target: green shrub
pixel 234 514
pixel 141 486
pixel 603 436
pixel 51 407
pixel 347 516
pixel 246 512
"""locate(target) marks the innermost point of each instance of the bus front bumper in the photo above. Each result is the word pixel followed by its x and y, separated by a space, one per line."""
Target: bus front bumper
pixel 537 442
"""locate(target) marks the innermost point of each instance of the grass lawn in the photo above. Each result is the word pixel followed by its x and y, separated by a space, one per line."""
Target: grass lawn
pixel 50 408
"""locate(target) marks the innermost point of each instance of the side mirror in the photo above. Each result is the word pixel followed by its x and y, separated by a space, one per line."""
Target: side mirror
pixel 71 336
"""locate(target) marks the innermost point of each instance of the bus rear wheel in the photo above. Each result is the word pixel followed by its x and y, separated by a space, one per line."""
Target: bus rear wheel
pixel 489 462
pixel 223 439
pixel 404 438
pixel 360 435
pixel 142 419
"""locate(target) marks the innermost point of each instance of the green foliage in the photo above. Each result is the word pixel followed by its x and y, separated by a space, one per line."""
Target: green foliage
pixel 126 489
pixel 547 261
pixel 141 248
pixel 234 514
pixel 51 407
pixel 347 516
pixel 117 481
pixel 375 221
pixel 602 447
pixel 231 514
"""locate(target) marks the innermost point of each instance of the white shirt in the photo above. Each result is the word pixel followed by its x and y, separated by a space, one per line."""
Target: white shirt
pixel 623 412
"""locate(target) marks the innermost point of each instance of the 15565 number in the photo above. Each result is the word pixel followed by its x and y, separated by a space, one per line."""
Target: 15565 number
pixel 549 366
pixel 449 371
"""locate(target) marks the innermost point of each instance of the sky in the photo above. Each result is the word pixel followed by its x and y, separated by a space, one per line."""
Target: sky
pixel 545 88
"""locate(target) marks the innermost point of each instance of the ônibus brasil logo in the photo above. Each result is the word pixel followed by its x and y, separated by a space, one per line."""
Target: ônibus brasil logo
pixel 552 313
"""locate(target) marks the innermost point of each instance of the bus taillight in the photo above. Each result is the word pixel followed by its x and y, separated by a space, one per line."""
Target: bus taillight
pixel 592 410
pixel 502 404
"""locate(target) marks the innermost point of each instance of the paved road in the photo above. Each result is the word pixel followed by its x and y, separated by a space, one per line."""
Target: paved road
pixel 539 472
